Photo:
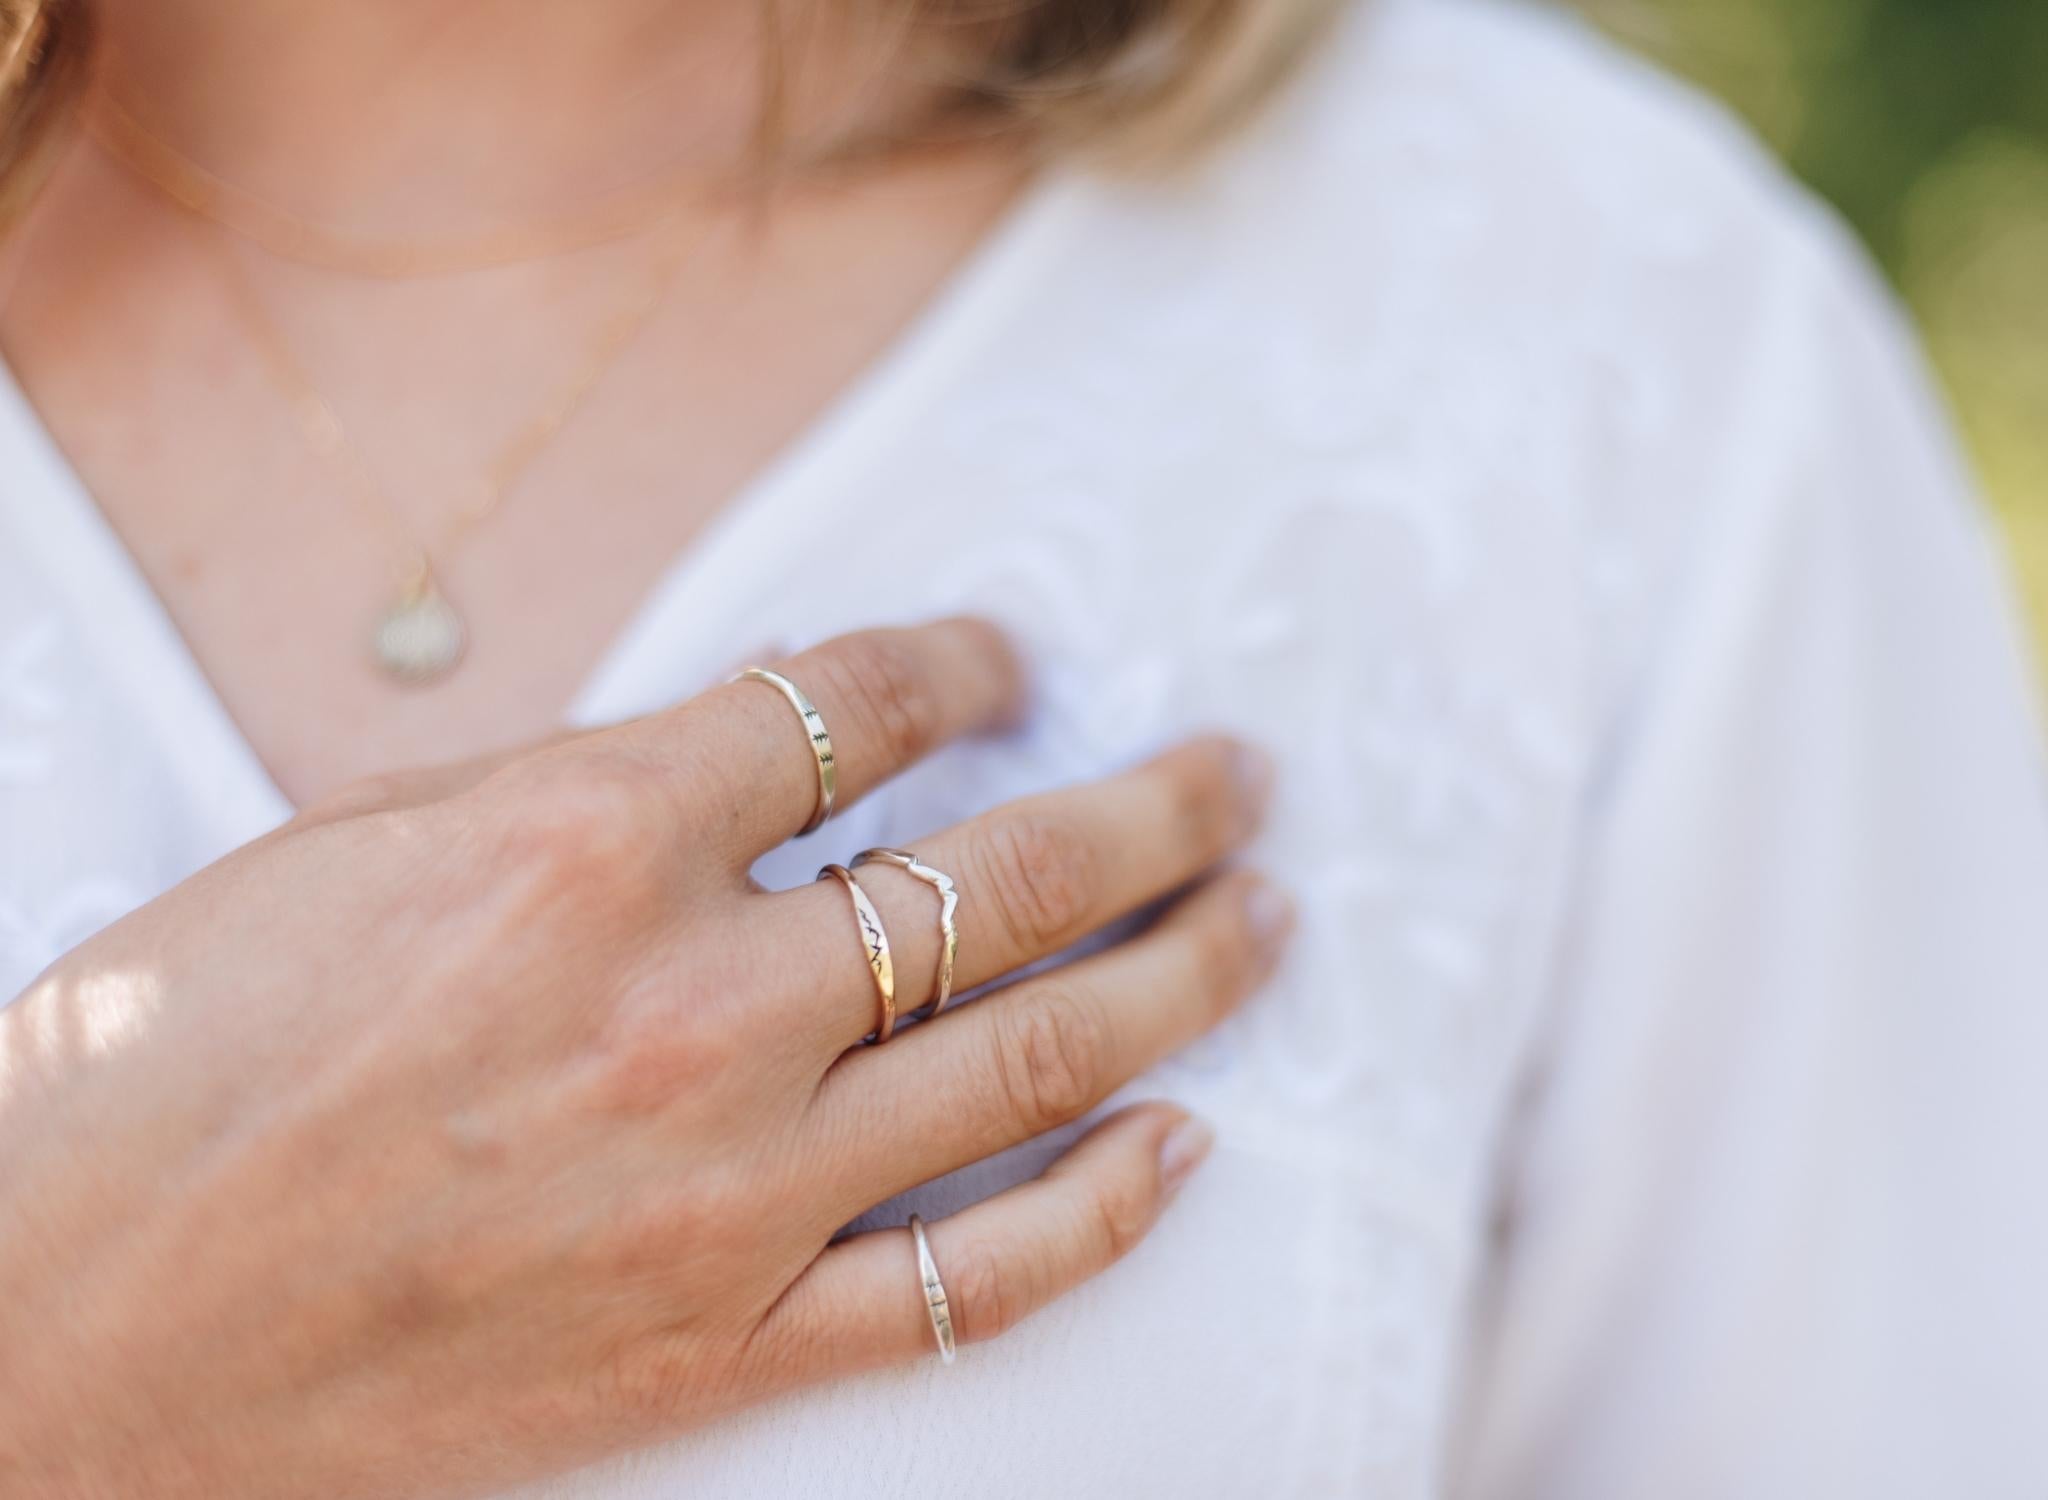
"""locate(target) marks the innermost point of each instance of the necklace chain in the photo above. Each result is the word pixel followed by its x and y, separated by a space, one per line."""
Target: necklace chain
pixel 321 428
pixel 421 637
pixel 292 237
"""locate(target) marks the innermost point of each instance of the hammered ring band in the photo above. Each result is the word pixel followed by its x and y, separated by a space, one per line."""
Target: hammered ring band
pixel 814 729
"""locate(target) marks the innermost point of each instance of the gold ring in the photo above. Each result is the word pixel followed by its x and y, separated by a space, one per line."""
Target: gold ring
pixel 875 943
pixel 934 1291
pixel 949 902
pixel 821 742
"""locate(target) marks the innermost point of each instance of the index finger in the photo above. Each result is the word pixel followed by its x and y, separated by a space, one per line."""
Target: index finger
pixel 887 698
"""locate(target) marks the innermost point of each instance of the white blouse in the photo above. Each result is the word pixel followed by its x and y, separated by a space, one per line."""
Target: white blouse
pixel 1654 1103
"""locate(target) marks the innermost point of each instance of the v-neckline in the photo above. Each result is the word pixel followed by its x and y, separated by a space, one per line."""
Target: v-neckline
pixel 158 669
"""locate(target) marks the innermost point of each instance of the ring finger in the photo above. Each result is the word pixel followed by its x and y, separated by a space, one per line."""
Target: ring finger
pixel 1044 1051
pixel 1033 877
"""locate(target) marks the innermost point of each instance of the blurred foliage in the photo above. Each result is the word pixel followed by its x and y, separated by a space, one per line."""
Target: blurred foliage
pixel 1926 122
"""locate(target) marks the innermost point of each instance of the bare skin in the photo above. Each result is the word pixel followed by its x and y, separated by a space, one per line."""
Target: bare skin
pixel 481 1122
pixel 365 117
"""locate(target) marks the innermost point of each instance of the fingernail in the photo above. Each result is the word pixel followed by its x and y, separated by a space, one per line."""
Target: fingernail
pixel 1184 1149
pixel 1270 911
pixel 1252 768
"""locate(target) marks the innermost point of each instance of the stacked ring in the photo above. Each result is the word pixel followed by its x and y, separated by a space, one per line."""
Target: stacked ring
pixel 821 742
pixel 875 945
pixel 949 902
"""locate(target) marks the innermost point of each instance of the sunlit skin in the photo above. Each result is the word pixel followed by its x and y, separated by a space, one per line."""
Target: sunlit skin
pixel 487 1120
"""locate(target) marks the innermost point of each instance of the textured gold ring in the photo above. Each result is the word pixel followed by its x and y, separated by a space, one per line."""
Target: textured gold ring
pixel 949 903
pixel 875 944
pixel 821 742
pixel 935 1304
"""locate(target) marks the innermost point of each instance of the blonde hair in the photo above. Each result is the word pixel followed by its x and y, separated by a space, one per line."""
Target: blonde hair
pixel 1137 79
pixel 1131 79
pixel 44 47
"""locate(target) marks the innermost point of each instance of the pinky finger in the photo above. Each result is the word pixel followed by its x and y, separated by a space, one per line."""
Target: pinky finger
pixel 861 1305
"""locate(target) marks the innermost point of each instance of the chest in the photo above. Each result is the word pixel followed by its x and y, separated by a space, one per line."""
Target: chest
pixel 282 452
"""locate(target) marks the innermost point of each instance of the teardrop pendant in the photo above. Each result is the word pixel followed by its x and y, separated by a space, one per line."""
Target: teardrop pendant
pixel 420 638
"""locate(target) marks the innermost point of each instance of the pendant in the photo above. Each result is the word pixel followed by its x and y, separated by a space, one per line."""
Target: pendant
pixel 420 638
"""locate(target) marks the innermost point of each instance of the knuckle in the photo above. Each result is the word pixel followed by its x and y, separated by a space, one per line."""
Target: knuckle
pixel 584 822
pixel 987 1293
pixel 1051 1058
pixel 654 1056
pixel 882 683
pixel 1120 1216
pixel 1039 875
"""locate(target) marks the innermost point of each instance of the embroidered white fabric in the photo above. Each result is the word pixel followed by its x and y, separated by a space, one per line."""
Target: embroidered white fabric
pixel 1648 1107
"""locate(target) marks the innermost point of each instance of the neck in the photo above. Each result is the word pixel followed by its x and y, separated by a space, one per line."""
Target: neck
pixel 423 116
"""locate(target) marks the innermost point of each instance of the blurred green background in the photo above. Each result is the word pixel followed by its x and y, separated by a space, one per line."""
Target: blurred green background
pixel 1926 122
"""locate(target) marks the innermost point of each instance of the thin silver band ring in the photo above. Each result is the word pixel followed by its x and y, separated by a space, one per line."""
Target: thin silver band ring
pixel 934 1291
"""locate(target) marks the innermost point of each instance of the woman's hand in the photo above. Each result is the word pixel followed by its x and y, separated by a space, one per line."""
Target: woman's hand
pixel 486 1121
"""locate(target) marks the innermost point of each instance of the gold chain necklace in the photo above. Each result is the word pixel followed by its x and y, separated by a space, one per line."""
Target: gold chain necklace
pixel 420 636
pixel 288 236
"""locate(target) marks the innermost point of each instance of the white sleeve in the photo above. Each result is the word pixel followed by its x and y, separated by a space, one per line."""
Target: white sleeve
pixel 1774 1220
